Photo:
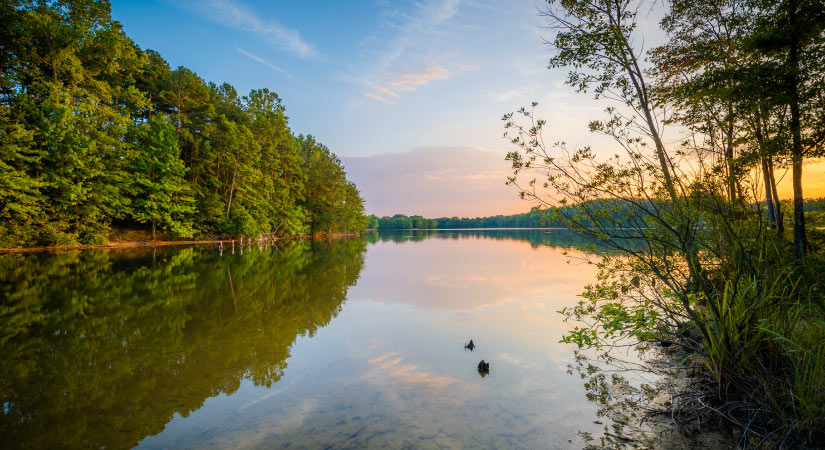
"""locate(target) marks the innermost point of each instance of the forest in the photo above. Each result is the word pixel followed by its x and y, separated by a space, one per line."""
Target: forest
pixel 532 219
pixel 712 268
pixel 97 133
pixel 553 217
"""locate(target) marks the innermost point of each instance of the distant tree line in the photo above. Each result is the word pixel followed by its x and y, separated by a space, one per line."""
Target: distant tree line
pixel 96 132
pixel 553 217
pixel 532 219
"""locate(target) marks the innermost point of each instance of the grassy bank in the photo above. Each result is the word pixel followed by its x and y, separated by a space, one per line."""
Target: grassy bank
pixel 752 338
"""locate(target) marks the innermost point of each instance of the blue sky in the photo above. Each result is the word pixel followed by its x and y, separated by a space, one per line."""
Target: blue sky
pixel 409 94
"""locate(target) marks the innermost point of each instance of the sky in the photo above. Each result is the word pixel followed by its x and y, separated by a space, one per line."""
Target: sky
pixel 409 94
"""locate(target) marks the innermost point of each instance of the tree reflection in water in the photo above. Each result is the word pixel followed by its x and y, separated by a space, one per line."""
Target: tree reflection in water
pixel 102 348
pixel 536 237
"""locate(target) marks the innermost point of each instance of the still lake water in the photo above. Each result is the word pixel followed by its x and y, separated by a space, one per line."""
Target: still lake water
pixel 345 343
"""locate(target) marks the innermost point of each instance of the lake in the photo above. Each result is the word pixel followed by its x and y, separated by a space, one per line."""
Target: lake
pixel 341 343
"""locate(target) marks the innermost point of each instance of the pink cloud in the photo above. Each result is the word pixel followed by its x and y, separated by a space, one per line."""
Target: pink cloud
pixel 436 182
pixel 386 91
pixel 379 98
pixel 407 80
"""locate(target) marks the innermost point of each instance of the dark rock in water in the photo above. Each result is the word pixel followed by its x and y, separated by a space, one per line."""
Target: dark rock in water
pixel 470 346
pixel 483 366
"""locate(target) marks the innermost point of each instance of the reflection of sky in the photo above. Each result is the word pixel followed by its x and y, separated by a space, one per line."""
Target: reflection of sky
pixel 391 369
pixel 394 366
pixel 470 274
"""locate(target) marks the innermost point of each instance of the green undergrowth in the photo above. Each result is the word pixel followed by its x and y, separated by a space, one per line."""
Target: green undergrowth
pixel 766 353
pixel 759 344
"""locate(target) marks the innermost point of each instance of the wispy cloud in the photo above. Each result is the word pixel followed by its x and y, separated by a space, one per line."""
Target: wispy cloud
pixel 386 91
pixel 414 37
pixel 236 14
pixel 405 82
pixel 263 61
pixel 379 98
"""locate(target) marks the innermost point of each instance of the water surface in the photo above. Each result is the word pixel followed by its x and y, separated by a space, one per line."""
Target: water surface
pixel 347 343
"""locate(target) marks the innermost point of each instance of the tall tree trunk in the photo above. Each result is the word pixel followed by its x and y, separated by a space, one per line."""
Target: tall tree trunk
pixel 661 153
pixel 231 191
pixel 179 102
pixel 686 229
pixel 636 76
pixel 729 157
pixel 780 218
pixel 773 217
pixel 799 238
pixel 768 193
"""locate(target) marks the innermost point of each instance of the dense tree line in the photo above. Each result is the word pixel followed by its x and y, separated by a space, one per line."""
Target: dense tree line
pixel 714 272
pixel 532 219
pixel 400 222
pixel 619 214
pixel 95 131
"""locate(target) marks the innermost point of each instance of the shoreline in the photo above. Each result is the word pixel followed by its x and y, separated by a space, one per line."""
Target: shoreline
pixel 111 245
pixel 654 408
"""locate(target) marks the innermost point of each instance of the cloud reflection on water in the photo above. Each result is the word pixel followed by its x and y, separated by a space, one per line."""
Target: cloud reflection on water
pixel 463 275
pixel 409 375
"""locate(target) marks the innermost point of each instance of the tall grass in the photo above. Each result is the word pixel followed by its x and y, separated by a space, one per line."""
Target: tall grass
pixel 764 347
pixel 732 337
pixel 799 390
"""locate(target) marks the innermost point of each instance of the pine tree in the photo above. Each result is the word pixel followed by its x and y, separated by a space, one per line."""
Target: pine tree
pixel 21 202
pixel 160 194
